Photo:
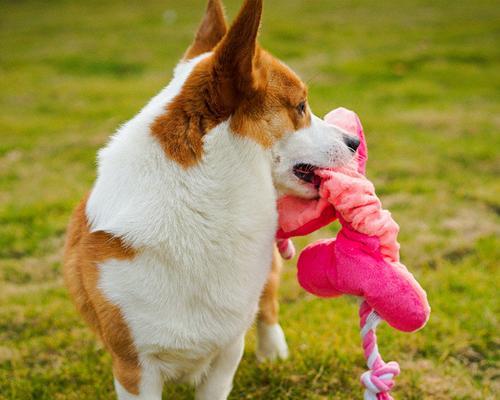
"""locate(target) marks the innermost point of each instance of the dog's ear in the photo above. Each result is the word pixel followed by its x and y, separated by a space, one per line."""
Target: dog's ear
pixel 212 29
pixel 235 56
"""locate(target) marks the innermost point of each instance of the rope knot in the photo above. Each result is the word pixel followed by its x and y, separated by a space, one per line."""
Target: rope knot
pixel 380 380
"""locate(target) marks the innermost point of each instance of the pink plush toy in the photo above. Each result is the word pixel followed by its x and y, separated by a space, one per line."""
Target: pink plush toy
pixel 363 260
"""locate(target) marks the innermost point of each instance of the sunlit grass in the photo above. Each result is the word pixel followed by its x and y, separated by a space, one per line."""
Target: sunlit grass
pixel 423 76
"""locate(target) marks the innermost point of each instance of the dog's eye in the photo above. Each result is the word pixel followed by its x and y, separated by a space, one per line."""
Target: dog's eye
pixel 301 108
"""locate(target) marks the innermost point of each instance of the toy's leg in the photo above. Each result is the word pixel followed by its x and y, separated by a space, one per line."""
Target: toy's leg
pixel 390 289
pixel 271 342
pixel 219 380
pixel 314 267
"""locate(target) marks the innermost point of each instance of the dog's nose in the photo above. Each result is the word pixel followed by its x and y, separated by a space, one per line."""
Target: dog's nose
pixel 352 142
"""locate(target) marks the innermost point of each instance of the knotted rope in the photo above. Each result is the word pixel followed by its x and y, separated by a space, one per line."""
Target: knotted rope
pixel 379 380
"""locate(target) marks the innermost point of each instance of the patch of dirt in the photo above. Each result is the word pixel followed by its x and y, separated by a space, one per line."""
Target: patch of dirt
pixel 439 384
pixel 8 354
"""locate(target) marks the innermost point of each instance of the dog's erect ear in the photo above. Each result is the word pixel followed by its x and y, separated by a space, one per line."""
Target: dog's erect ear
pixel 234 56
pixel 212 29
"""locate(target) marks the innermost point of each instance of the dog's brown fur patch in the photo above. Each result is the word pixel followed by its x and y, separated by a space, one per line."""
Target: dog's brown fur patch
pixel 82 253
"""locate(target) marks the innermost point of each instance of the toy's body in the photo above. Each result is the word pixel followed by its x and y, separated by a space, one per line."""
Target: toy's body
pixel 363 260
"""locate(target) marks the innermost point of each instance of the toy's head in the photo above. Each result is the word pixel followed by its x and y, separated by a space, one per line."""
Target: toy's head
pixel 348 121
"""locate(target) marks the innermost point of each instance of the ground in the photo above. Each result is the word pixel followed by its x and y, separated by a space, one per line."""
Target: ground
pixel 423 76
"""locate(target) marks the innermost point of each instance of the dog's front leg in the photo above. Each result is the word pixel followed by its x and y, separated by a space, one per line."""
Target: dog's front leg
pixel 271 342
pixel 219 380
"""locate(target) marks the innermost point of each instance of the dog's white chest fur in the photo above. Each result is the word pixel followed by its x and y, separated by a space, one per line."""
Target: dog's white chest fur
pixel 204 237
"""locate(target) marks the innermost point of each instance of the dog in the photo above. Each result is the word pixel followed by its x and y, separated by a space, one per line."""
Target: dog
pixel 169 255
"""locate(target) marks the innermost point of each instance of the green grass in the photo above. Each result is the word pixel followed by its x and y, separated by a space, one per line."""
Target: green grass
pixel 424 77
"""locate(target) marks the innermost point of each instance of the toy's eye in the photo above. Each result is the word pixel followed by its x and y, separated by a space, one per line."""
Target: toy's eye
pixel 301 108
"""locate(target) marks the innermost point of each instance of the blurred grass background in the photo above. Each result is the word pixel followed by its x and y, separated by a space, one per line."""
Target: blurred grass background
pixel 423 76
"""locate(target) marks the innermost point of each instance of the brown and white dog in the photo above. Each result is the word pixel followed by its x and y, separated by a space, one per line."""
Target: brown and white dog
pixel 168 255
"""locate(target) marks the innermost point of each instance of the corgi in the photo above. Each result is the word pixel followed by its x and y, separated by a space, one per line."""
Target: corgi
pixel 172 251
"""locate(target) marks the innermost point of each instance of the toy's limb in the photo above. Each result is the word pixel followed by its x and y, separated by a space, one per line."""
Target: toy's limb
pixel 353 196
pixel 314 268
pixel 389 288
pixel 350 265
pixel 299 217
pixel 286 248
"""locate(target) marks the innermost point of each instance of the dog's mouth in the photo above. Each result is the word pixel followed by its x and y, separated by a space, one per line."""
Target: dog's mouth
pixel 305 172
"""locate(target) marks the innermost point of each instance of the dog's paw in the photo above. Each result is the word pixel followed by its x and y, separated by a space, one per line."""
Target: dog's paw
pixel 271 342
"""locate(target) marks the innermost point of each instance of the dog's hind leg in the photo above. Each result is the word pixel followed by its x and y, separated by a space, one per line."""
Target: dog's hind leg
pixel 137 383
pixel 219 379
pixel 271 342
